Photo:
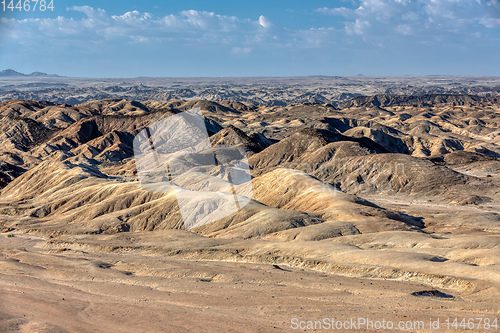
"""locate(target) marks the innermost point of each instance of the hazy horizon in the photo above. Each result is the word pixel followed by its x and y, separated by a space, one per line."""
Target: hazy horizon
pixel 360 75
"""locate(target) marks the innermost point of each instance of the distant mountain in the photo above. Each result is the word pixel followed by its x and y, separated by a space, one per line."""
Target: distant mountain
pixel 11 72
pixel 42 74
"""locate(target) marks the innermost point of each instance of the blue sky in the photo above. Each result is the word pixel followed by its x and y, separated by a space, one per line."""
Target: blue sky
pixel 254 38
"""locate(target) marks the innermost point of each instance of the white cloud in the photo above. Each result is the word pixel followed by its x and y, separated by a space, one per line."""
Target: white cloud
pixel 263 21
pixel 132 18
pixel 340 11
pixel 358 27
pixel 208 20
pixel 377 22
pixel 377 9
pixel 241 50
pixel 489 22
pixel 140 39
pixel 410 16
pixel 404 29
pixel 188 26
pixel 171 20
pixel 425 19
pixel 90 12
pixel 315 37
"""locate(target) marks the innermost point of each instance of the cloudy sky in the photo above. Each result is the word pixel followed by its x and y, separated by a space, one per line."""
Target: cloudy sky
pixel 254 38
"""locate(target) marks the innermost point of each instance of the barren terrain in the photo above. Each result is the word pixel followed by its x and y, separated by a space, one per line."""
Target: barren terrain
pixel 263 91
pixel 380 206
